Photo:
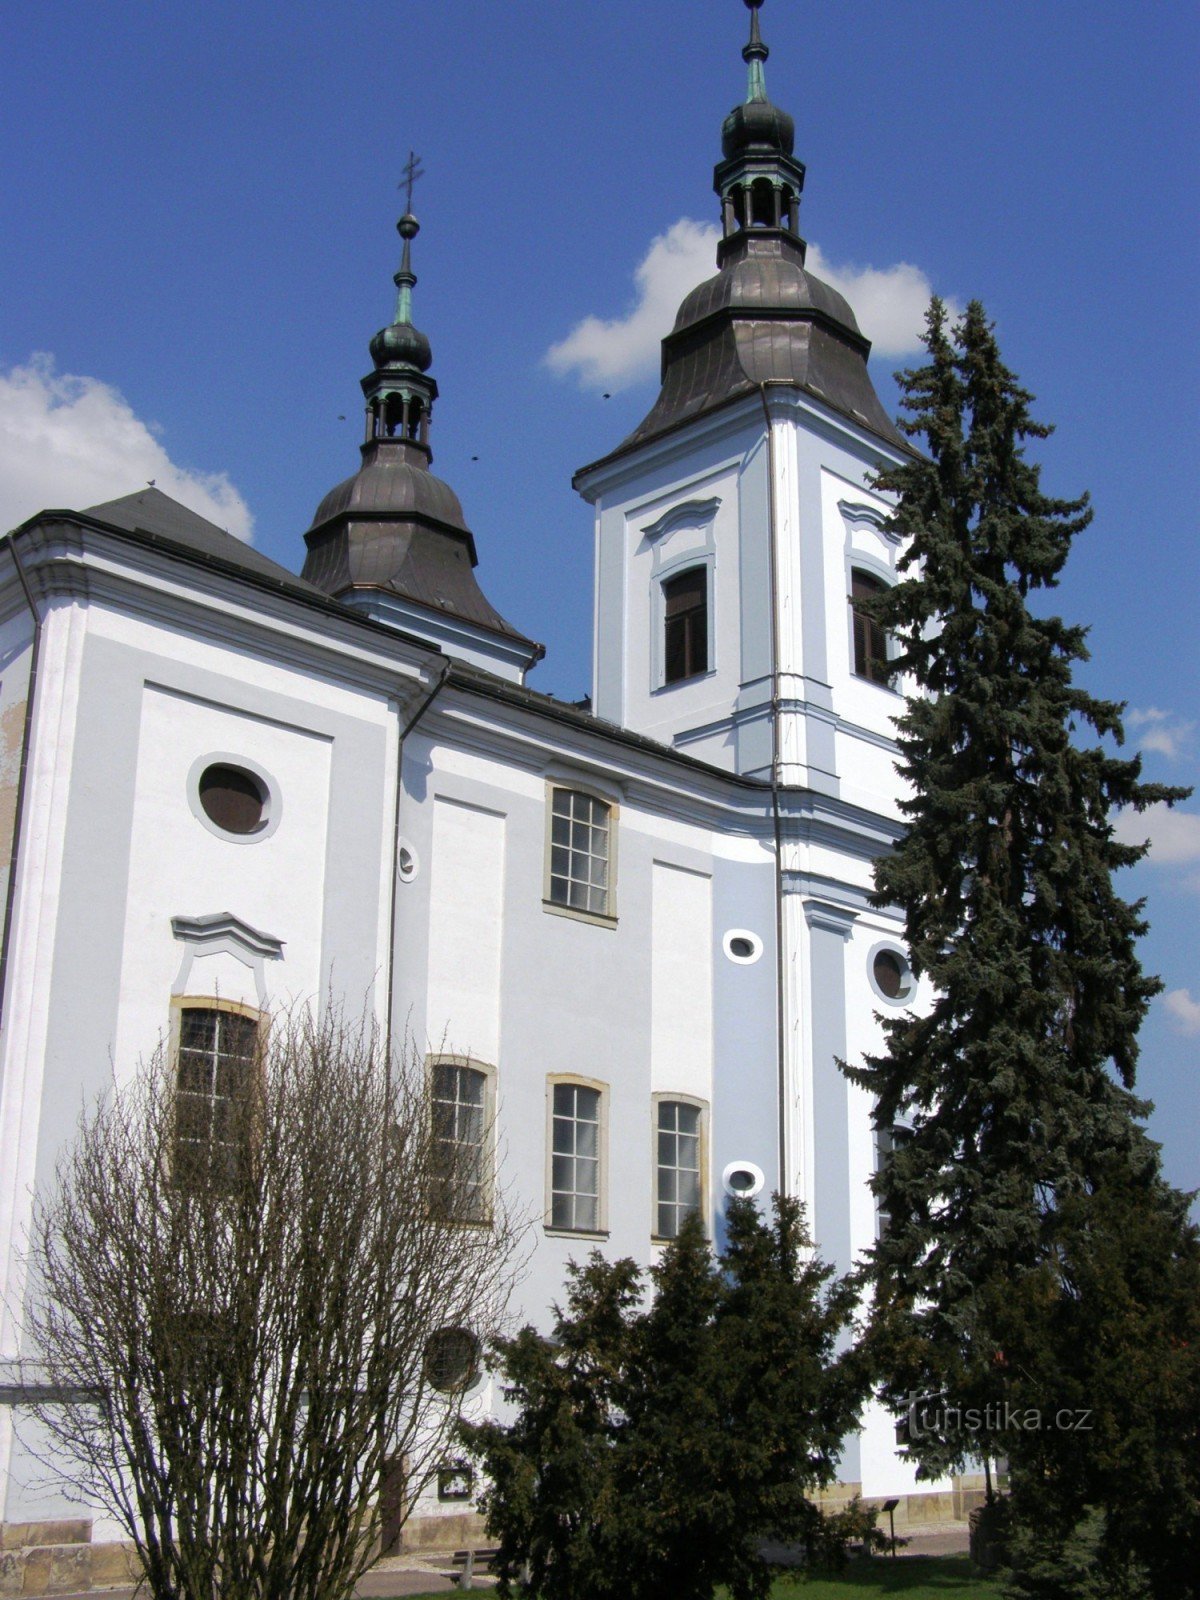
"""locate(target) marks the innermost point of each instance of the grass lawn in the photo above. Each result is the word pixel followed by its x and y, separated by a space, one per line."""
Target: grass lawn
pixel 918 1577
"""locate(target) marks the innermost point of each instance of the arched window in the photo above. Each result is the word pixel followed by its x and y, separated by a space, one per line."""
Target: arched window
pixel 678 1163
pixel 685 610
pixel 216 1058
pixel 870 641
pixel 461 1121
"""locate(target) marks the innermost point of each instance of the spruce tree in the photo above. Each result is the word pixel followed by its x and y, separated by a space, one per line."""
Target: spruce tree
pixel 653 1448
pixel 1014 1093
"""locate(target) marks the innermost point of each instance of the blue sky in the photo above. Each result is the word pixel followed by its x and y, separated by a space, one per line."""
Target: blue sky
pixel 200 207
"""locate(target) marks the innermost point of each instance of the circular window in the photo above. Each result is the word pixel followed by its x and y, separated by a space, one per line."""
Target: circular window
pixel 743 1178
pixel 742 946
pixel 452 1360
pixel 891 975
pixel 233 798
pixel 406 863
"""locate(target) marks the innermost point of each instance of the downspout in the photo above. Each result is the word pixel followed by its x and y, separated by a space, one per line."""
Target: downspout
pixel 404 733
pixel 776 819
pixel 10 898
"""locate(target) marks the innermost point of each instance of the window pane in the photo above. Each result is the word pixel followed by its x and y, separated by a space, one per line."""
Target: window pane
pixel 579 850
pixel 575 1158
pixel 678 1190
pixel 213 1067
pixel 685 640
pixel 870 641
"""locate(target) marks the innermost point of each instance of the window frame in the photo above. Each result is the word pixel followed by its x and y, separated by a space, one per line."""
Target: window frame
pixel 487 1147
pixel 677 1097
pixel 703 570
pixel 208 1003
pixel 861 570
pixel 554 1081
pixel 568 784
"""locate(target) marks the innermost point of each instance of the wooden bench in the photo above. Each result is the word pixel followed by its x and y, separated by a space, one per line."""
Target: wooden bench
pixel 468 1562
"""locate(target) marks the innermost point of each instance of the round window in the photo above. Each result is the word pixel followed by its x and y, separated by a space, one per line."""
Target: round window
pixel 892 974
pixel 742 946
pixel 233 798
pixel 743 1179
pixel 452 1360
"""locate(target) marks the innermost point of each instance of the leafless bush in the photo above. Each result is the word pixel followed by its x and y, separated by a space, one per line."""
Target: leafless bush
pixel 242 1338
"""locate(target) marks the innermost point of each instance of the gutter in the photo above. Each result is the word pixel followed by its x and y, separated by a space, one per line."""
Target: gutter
pixel 404 733
pixel 23 777
pixel 776 819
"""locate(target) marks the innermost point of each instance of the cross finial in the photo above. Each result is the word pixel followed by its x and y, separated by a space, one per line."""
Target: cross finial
pixel 412 170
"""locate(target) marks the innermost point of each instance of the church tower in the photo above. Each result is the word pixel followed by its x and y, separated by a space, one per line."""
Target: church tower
pixel 392 540
pixel 734 526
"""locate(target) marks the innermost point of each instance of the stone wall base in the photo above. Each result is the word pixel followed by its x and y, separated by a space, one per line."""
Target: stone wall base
pixel 59 1558
pixel 46 1558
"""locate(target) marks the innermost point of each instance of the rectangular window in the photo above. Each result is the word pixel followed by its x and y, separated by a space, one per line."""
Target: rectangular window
pixel 870 641
pixel 575 1158
pixel 215 1063
pixel 677 1165
pixel 887 1142
pixel 685 610
pixel 581 852
pixel 460 1124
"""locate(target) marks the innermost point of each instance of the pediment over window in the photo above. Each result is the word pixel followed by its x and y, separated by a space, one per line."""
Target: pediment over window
pixel 691 514
pixel 241 952
pixel 857 514
pixel 221 931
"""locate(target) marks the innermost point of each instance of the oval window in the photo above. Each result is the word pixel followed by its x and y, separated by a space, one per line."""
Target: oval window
pixel 743 946
pixel 743 1179
pixel 452 1360
pixel 233 799
pixel 892 974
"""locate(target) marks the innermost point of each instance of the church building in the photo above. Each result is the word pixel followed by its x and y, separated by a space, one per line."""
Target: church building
pixel 634 936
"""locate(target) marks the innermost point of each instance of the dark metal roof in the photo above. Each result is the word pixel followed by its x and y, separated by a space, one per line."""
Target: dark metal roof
pixel 762 319
pixel 476 680
pixel 150 511
pixel 395 481
pixel 394 527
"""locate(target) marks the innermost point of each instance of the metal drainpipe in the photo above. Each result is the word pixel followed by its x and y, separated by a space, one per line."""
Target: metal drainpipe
pixel 404 733
pixel 26 740
pixel 780 961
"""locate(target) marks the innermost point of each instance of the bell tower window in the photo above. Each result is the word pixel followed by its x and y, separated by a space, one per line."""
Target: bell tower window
pixel 870 640
pixel 685 610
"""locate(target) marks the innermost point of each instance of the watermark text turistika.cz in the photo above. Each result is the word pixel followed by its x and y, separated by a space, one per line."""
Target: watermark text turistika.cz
pixel 931 1417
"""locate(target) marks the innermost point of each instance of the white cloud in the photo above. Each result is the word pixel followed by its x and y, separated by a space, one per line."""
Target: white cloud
pixel 1161 731
pixel 1174 835
pixel 889 303
pixel 1185 1012
pixel 73 442
pixel 622 351
pixel 614 353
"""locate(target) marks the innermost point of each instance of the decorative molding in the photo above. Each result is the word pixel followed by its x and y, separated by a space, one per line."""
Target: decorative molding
pixel 221 933
pixel 691 514
pixel 820 914
pixel 858 514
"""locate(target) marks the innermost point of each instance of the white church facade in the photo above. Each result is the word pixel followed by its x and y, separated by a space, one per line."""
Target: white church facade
pixel 225 786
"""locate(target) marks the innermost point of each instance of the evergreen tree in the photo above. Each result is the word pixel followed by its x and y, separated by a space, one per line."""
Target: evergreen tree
pixel 654 1448
pixel 1015 1091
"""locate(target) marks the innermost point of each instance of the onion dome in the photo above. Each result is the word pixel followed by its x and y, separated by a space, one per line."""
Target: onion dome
pixel 400 344
pixel 392 539
pixel 763 318
pixel 757 125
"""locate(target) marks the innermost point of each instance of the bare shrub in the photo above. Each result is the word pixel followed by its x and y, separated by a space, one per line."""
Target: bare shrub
pixel 239 1327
